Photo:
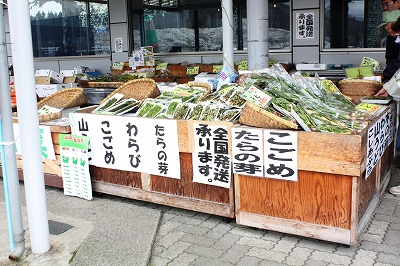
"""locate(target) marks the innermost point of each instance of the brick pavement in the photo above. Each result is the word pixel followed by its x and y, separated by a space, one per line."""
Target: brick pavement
pixel 190 238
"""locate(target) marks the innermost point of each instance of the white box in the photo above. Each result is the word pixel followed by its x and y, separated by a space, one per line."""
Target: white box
pixel 44 90
pixel 54 76
pixel 205 77
pixel 67 72
pixel 311 66
pixel 72 85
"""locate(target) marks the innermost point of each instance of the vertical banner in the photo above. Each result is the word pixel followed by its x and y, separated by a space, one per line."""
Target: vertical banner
pixel 75 166
pixel 247 151
pixel 211 159
pixel 162 148
pixel 305 25
pixel 46 142
pixel 280 154
pixel 379 137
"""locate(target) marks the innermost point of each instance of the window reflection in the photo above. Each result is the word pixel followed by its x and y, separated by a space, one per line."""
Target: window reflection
pixel 352 24
pixel 68 28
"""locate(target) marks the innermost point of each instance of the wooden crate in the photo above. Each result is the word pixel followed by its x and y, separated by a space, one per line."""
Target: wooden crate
pixel 331 201
pixel 181 193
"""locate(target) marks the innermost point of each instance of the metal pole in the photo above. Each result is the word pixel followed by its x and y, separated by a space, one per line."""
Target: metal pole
pixel 257 34
pixel 21 39
pixel 227 29
pixel 10 173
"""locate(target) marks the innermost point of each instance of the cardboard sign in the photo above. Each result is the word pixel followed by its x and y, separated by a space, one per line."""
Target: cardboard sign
pixel 190 71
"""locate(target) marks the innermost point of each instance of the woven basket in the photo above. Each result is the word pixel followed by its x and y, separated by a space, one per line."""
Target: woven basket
pixel 66 98
pixel 42 118
pixel 139 89
pixel 359 87
pixel 202 85
pixel 115 85
pixel 253 115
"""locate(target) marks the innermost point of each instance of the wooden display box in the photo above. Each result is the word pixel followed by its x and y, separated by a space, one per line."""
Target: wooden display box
pixel 331 200
pixel 181 193
pixel 177 70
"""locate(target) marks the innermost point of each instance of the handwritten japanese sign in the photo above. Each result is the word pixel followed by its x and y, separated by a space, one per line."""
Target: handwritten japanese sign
pixel 247 151
pixel 130 143
pixel 280 154
pixel 75 166
pixel 379 135
pixel 305 25
pixel 211 159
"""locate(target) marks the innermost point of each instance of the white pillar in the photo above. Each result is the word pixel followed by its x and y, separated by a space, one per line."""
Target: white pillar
pixel 257 33
pixel 227 29
pixel 21 44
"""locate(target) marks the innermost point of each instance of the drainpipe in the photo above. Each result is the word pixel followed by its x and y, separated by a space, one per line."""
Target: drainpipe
pixel 9 150
pixel 257 34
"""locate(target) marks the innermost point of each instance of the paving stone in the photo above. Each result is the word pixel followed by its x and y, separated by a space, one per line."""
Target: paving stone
pixel 167 216
pixel 346 250
pixel 157 250
pixel 245 231
pixel 371 238
pixel 318 245
pixel 167 227
pixel 377 227
pixel 183 259
pixel 391 259
pixel 392 239
pixel 190 220
pixel 273 236
pixel 255 242
pixel 158 261
pixel 363 258
pixel 205 251
pixel 226 241
pixel 267 254
pixel 270 263
pixel 298 256
pixel 312 262
pixel 285 245
pixel 191 229
pixel 382 248
pixel 248 261
pixel 169 239
pixel 210 223
pixel 183 212
pixel 235 253
pixel 330 258
pixel 386 218
pixel 199 240
pixel 205 261
pixel 173 251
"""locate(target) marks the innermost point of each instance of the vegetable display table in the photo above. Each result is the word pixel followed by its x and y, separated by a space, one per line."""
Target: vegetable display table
pixel 332 199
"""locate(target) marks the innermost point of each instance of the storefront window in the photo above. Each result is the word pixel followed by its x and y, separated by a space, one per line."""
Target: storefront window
pixel 69 28
pixel 353 24
pixel 188 26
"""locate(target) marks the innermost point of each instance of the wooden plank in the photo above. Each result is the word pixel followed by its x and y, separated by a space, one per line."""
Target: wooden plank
pixel 187 188
pixel 316 198
pixel 54 137
pixel 198 205
pixel 288 226
pixel 118 177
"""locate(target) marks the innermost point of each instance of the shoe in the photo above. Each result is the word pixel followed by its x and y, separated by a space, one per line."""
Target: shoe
pixel 395 190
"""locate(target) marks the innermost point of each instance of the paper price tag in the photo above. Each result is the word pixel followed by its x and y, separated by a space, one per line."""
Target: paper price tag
pixel 367 61
pixel 190 71
pixel 163 65
pixel 243 65
pixel 330 85
pixel 256 96
pixel 118 65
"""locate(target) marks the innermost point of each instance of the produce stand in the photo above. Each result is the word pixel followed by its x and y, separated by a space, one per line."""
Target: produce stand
pixel 332 199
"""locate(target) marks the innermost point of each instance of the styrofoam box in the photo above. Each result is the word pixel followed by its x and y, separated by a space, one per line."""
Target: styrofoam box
pixel 311 66
pixel 72 85
pixel 67 72
pixel 44 90
pixel 54 76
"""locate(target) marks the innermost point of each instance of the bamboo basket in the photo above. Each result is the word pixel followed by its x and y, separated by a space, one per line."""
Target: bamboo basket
pixel 359 87
pixel 66 98
pixel 139 89
pixel 253 115
pixel 95 84
pixel 202 85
